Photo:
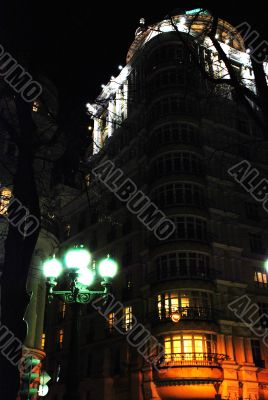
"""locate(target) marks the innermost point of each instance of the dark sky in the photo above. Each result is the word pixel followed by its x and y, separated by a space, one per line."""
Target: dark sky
pixel 79 44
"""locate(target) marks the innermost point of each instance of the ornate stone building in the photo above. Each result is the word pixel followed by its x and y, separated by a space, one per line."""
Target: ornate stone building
pixel 175 133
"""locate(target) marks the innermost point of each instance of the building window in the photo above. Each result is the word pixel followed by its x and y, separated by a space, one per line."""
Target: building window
pixel 252 211
pixel 172 105
pixel 189 228
pixel 127 318
pixel 111 321
pixel 43 341
pixel 263 315
pixel 62 310
pixel 255 241
pixel 36 106
pixel 167 78
pixel 243 125
pixel 182 265
pixel 168 53
pixel 60 338
pixel 261 279
pixel 256 353
pixel 175 133
pixel 189 347
pixel 5 197
pixel 179 194
pixel 129 281
pixel 189 303
pixel 177 163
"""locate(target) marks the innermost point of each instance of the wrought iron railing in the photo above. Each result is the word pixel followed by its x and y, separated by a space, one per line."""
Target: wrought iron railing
pixel 186 313
pixel 192 359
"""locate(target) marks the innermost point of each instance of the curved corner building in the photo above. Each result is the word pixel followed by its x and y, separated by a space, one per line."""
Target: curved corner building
pixel 176 132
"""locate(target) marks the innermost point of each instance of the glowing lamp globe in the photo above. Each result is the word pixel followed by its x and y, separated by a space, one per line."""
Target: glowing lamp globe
pixel 85 277
pixel 43 390
pixel 77 258
pixel 266 265
pixel 52 268
pixel 108 268
pixel 175 317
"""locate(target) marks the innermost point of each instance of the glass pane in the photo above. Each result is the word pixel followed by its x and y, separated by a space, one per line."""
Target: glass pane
pixel 187 344
pixel 177 345
pixel 174 304
pixel 167 346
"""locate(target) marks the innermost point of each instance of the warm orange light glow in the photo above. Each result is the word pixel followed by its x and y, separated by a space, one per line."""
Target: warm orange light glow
pixel 175 317
pixel 127 324
pixel 43 341
pixel 111 320
pixel 60 338
pixel 5 196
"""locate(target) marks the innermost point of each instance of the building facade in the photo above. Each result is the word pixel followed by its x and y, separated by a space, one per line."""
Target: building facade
pixel 166 124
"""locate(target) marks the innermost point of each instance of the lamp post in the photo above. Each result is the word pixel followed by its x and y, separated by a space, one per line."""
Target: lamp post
pixel 80 277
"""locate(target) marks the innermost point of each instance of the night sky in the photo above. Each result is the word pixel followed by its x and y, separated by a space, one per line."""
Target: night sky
pixel 80 44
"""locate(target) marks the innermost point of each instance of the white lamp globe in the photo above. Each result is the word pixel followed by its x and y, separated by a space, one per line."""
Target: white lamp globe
pixel 266 265
pixel 77 258
pixel 52 268
pixel 108 268
pixel 85 277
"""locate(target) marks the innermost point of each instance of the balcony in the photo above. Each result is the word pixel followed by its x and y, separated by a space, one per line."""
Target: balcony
pixel 162 275
pixel 192 360
pixel 186 313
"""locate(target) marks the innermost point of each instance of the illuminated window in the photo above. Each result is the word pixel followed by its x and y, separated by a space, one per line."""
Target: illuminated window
pixel 60 338
pixel 35 106
pixel 260 278
pixel 62 310
pixel 43 341
pixel 5 196
pixel 111 321
pixel 189 347
pixel 188 303
pixel 127 320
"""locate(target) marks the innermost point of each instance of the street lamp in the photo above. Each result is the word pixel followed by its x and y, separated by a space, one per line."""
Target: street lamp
pixel 80 278
pixel 266 266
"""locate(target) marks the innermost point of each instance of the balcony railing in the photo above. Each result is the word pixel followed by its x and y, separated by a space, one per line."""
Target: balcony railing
pixel 186 313
pixel 192 359
pixel 206 274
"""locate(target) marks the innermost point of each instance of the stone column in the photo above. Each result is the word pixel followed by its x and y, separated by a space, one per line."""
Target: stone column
pixel 248 351
pixel 239 350
pixel 229 346
pixel 221 349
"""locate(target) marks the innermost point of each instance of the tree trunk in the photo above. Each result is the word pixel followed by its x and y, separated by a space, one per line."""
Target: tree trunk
pixel 18 253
